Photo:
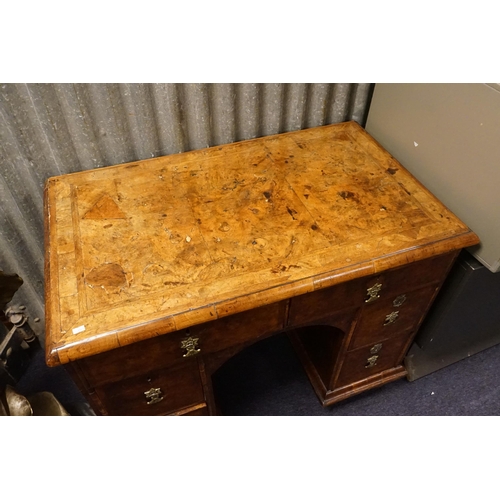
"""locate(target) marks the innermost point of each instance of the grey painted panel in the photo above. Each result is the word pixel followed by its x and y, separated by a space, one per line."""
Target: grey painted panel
pixel 52 129
pixel 446 135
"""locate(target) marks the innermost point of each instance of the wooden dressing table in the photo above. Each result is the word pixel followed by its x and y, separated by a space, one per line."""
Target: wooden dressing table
pixel 159 271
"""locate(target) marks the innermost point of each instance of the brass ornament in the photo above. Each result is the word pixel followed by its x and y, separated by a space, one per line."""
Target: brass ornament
pixel 391 318
pixel 154 395
pixel 372 361
pixel 376 348
pixel 399 300
pixel 191 346
pixel 373 292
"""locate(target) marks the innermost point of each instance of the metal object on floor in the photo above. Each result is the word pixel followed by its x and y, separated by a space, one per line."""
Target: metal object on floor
pixel 18 346
pixel 46 404
pixel 16 404
pixel 18 341
pixel 41 404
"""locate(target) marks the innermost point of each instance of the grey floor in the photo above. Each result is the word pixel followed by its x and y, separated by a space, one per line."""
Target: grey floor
pixel 267 379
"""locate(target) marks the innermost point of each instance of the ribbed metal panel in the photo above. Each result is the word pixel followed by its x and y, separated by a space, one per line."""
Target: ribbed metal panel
pixel 52 129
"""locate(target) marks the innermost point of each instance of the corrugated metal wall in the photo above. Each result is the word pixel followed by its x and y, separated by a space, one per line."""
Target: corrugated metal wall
pixel 52 129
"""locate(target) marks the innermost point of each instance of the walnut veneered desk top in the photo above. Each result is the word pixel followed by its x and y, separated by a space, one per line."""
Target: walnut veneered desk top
pixel 150 247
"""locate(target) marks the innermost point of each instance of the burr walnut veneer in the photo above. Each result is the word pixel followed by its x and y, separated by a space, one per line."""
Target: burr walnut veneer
pixel 158 271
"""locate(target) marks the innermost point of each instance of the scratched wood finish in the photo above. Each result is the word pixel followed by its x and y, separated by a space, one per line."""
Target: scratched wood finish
pixel 143 249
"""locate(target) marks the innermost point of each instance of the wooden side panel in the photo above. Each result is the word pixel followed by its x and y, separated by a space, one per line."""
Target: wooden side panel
pixel 92 398
pixel 323 343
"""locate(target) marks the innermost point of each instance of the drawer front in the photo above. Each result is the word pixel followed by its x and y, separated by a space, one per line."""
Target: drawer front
pixel 370 360
pixel 134 359
pixel 410 277
pixel 178 347
pixel 370 291
pixel 240 328
pixel 314 306
pixel 157 393
pixel 391 316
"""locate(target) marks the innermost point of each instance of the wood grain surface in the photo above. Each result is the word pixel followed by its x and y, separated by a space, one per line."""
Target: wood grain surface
pixel 147 248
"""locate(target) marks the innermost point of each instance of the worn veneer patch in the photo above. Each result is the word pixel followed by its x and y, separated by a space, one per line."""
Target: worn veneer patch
pixel 105 208
pixel 107 275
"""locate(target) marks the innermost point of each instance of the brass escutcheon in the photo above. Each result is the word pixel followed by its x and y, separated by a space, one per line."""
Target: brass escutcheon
pixel 373 292
pixel 154 395
pixel 398 301
pixel 191 346
pixel 376 348
pixel 391 318
pixel 371 361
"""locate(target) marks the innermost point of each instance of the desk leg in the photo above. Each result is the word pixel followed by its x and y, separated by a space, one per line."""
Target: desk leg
pixel 206 380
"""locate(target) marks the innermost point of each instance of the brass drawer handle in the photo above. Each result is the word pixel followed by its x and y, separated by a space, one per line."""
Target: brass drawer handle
pixel 373 292
pixel 154 395
pixel 398 301
pixel 191 346
pixel 391 318
pixel 372 361
pixel 376 348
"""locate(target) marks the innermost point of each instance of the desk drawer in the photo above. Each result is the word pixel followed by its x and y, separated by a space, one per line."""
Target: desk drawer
pixel 171 348
pixel 240 328
pixel 122 377
pixel 157 393
pixel 391 316
pixel 411 277
pixel 320 304
pixel 374 358
pixel 134 359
